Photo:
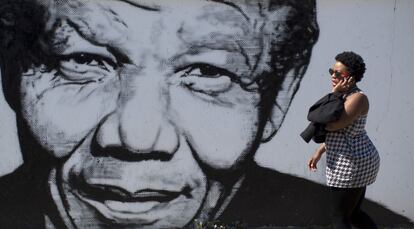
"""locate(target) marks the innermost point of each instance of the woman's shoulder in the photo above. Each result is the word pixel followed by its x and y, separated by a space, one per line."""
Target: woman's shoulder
pixel 358 96
pixel 358 101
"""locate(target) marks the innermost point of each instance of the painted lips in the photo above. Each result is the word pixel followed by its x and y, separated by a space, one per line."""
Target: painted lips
pixel 107 192
pixel 122 203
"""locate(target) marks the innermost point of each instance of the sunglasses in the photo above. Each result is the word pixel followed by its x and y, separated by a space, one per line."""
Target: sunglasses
pixel 337 74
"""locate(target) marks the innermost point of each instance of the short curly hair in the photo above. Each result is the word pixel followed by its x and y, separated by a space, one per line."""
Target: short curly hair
pixel 354 63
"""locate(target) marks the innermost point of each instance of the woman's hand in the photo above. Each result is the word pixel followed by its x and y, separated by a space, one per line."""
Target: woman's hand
pixel 344 85
pixel 313 161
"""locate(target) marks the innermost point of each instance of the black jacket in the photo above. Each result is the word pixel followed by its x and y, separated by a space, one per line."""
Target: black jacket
pixel 327 109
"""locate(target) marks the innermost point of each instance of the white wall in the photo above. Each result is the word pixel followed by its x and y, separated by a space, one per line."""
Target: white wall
pixel 382 32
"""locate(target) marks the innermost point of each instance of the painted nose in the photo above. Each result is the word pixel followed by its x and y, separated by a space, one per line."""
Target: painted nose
pixel 141 124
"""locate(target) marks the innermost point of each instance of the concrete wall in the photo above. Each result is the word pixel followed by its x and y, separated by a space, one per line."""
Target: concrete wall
pixel 382 32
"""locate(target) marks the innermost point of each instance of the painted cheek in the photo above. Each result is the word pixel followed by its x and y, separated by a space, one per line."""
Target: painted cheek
pixel 220 137
pixel 61 116
pixel 222 146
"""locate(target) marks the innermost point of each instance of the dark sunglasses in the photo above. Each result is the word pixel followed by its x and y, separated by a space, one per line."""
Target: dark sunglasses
pixel 337 74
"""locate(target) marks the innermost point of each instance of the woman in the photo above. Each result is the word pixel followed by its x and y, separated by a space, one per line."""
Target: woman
pixel 352 160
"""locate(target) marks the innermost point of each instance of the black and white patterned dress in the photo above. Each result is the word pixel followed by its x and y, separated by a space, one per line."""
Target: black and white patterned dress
pixel 352 159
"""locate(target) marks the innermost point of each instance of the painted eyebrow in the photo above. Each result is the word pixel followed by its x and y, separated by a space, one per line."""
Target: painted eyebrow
pixel 234 6
pixel 199 46
pixel 141 5
pixel 120 57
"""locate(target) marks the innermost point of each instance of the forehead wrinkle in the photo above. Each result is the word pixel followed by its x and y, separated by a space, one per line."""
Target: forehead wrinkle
pixel 246 38
pixel 94 21
pixel 254 49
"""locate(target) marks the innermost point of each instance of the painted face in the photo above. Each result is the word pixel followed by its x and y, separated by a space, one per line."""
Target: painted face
pixel 147 106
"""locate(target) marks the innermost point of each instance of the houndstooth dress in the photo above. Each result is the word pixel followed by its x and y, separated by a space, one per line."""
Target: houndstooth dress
pixel 352 159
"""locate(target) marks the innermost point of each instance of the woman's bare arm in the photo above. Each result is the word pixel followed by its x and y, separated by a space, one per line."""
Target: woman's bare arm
pixel 355 105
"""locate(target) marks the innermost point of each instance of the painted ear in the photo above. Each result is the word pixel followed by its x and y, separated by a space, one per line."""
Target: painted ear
pixel 282 102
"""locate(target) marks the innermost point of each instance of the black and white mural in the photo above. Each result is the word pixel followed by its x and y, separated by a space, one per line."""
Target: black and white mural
pixel 150 113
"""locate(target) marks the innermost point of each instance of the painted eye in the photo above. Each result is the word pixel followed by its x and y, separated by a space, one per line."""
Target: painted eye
pixel 206 79
pixel 206 70
pixel 85 66
pixel 90 60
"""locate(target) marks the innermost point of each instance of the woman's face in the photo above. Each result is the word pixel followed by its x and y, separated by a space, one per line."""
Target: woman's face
pixel 339 73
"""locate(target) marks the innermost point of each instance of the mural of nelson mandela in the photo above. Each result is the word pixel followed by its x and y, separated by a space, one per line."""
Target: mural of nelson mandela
pixel 147 114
